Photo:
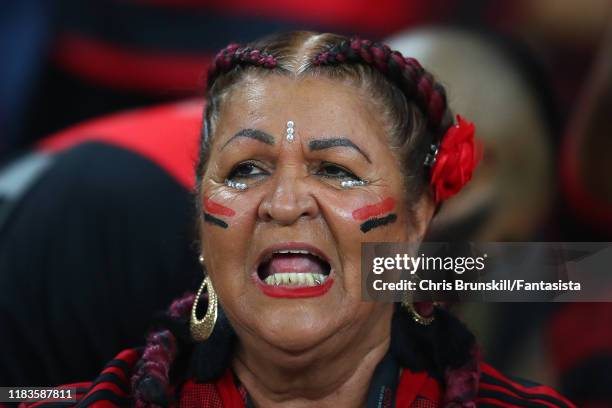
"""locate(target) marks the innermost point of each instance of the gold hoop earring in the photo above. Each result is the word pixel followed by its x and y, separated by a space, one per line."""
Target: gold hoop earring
pixel 418 318
pixel 202 329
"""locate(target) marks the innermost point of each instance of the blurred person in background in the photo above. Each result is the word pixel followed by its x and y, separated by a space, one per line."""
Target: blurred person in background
pixel 580 335
pixel 566 34
pixel 508 94
pixel 96 234
pixel 503 87
pixel 585 165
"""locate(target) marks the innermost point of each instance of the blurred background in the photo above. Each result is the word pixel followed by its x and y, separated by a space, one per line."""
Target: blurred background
pixel 99 119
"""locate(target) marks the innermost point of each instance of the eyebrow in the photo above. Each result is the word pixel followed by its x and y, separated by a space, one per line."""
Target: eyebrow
pixel 321 144
pixel 256 134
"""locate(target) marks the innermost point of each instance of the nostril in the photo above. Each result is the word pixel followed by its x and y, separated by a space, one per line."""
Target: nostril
pixel 287 212
pixel 288 200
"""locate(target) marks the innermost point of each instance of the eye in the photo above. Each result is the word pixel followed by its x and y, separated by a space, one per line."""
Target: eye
pixel 246 170
pixel 334 171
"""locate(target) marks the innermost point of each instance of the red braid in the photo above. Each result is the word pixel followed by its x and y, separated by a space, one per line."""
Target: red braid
pixel 181 307
pixel 413 80
pixel 234 55
pixel 150 381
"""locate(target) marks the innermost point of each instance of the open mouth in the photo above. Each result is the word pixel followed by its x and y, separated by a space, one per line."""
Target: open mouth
pixel 293 268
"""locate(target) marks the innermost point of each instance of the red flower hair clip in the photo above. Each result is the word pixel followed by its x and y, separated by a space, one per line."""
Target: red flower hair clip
pixel 454 160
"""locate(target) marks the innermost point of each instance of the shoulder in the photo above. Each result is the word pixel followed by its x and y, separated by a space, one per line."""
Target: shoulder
pixel 499 390
pixel 112 387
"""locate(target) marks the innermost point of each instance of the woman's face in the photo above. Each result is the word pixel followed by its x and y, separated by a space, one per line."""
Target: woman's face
pixel 284 252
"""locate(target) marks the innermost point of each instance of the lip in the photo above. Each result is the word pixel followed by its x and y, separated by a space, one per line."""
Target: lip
pixel 294 292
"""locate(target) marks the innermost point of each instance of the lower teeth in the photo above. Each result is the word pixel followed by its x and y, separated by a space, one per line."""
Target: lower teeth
pixel 296 279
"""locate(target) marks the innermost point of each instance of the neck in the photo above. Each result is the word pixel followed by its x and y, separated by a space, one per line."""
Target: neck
pixel 336 375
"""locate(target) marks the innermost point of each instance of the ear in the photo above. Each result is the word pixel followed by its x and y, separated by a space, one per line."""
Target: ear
pixel 424 210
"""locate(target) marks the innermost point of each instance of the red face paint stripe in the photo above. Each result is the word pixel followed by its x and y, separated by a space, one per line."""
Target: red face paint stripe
pixel 374 210
pixel 217 209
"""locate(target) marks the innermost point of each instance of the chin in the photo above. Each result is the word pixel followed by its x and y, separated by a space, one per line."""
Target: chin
pixel 298 327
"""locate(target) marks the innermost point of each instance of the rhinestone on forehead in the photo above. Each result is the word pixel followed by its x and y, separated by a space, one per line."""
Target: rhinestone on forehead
pixel 290 131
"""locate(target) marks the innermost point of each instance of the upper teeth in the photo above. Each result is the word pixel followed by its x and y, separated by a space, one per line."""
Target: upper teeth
pixel 295 279
pixel 295 251
pixel 292 251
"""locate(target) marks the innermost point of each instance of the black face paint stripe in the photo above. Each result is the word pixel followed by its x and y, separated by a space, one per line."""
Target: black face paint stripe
pixel 377 222
pixel 215 221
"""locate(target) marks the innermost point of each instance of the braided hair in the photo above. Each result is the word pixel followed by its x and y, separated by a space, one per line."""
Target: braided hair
pixel 150 380
pixel 417 114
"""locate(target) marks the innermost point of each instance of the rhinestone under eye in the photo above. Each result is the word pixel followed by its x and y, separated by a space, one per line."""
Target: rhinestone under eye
pixel 236 185
pixel 353 183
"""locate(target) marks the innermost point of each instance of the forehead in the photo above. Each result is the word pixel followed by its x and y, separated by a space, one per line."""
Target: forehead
pixel 315 104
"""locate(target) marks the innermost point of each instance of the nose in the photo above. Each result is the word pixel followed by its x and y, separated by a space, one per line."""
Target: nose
pixel 288 200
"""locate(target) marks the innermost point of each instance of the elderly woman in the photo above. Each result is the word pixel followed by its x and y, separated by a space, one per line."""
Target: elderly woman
pixel 311 145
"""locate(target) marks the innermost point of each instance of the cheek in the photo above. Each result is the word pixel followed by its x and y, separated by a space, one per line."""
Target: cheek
pixel 227 222
pixel 355 217
pixel 227 210
pixel 363 213
pixel 216 214
pixel 376 215
pixel 227 230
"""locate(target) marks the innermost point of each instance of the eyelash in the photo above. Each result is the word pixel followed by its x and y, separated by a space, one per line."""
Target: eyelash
pixel 347 175
pixel 233 173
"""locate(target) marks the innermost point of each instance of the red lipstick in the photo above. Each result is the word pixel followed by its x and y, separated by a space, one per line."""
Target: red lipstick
pixel 279 265
pixel 295 292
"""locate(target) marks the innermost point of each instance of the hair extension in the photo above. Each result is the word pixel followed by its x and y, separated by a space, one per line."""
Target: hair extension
pixel 406 72
pixel 150 382
pixel 234 55
pixel 170 354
